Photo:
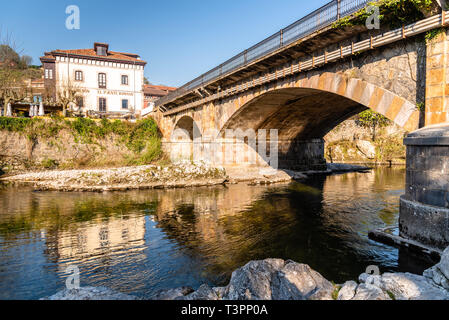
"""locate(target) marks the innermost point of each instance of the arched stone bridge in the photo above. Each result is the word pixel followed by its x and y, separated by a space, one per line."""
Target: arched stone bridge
pixel 306 88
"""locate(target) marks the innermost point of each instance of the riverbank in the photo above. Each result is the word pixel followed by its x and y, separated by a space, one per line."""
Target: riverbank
pixel 352 142
pixel 76 143
pixel 180 175
pixel 276 279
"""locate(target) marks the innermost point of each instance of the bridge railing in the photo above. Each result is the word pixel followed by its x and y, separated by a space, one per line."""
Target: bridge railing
pixel 315 21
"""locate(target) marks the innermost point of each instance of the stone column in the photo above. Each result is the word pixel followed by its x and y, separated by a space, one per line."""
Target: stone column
pixel 424 215
pixel 437 86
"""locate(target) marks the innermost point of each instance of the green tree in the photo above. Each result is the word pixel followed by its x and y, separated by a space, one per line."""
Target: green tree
pixel 373 120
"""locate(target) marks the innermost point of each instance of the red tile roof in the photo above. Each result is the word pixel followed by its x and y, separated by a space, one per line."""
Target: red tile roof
pixel 159 91
pixel 111 55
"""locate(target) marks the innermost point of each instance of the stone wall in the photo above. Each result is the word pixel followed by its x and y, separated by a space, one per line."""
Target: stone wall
pixel 18 152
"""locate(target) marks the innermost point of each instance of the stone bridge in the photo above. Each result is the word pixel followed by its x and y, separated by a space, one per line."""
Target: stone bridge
pixel 303 88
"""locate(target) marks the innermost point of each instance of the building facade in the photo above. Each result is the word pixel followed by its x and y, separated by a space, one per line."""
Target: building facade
pixel 106 81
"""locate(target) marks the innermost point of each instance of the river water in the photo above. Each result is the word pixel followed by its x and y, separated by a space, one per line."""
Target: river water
pixel 139 242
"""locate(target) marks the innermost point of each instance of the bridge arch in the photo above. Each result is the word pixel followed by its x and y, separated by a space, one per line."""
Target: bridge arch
pixel 186 131
pixel 312 106
pixel 304 111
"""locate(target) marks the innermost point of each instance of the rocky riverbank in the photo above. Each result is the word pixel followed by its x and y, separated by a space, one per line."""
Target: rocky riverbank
pixel 275 279
pixel 351 142
pixel 184 174
pixel 180 175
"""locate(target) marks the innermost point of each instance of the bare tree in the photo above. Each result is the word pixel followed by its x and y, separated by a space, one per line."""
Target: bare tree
pixel 12 86
pixel 13 72
pixel 67 95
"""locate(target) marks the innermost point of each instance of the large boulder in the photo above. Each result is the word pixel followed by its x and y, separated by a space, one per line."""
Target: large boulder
pixel 299 282
pixel 275 279
pixel 370 292
pixel 366 148
pixel 253 281
pixel 439 274
pixel 348 291
pixel 406 286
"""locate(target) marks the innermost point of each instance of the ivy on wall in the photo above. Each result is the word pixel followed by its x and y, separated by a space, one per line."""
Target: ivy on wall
pixel 394 12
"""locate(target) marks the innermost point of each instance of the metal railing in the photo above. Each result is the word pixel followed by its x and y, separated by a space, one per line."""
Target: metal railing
pixel 315 21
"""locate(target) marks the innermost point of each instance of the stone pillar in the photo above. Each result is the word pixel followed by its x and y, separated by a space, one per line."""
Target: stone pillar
pixel 424 215
pixel 437 85
pixel 302 155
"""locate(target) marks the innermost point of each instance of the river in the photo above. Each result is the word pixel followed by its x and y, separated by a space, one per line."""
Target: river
pixel 139 242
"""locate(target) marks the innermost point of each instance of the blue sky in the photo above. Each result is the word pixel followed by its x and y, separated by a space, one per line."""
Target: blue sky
pixel 179 39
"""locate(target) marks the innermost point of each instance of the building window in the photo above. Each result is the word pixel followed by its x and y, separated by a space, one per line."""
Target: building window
pixel 80 102
pixel 48 74
pixel 102 80
pixel 78 75
pixel 102 51
pixel 102 104
pixel 124 104
pixel 125 80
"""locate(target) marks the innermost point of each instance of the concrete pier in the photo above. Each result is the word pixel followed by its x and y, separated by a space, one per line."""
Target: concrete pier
pixel 424 213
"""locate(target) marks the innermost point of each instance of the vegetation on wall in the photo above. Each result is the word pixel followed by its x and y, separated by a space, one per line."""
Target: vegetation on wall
pixel 432 34
pixel 393 12
pixel 142 138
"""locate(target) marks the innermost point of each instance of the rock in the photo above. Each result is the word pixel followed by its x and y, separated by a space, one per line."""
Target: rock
pixel 203 293
pixel 299 282
pixel 347 292
pixel 443 266
pixel 172 294
pixel 367 148
pixel 370 292
pixel 406 286
pixel 274 279
pixel 253 281
pixel 373 280
pixel 439 274
pixel 343 167
pixel 90 293
pixel 220 291
pixel 363 277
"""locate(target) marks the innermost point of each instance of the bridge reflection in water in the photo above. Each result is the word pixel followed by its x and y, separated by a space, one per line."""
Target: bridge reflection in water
pixel 139 242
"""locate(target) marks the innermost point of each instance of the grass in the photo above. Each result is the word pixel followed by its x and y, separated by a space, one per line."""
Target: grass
pixel 391 295
pixel 141 138
pixel 336 291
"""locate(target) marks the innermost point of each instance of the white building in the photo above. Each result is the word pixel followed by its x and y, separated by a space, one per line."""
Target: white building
pixel 109 81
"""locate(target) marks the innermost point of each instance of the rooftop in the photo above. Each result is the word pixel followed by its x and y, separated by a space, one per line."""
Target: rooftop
pixel 159 91
pixel 94 53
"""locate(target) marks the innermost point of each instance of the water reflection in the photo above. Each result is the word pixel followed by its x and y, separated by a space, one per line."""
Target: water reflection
pixel 141 241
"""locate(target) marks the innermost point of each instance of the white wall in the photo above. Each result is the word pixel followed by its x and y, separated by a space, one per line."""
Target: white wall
pixel 114 93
